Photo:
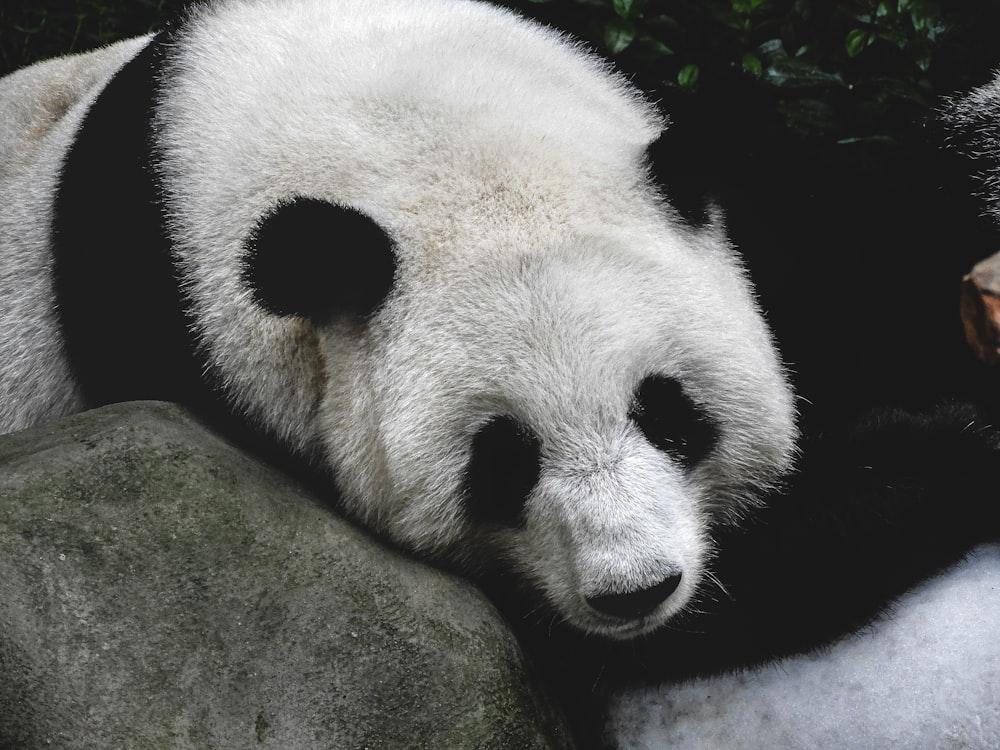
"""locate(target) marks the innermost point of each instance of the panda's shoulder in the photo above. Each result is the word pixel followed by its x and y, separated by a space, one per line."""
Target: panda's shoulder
pixel 36 99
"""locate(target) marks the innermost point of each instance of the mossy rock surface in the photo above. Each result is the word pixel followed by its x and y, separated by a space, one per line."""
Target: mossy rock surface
pixel 161 589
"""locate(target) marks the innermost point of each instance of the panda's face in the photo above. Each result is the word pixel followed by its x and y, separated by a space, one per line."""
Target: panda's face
pixel 563 413
pixel 436 262
pixel 573 400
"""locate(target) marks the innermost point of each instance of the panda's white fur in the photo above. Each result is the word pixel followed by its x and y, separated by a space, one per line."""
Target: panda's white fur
pixel 540 275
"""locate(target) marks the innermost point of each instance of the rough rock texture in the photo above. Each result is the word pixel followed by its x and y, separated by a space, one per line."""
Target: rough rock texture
pixel 159 588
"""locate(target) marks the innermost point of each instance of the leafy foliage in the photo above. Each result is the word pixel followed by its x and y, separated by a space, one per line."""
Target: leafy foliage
pixel 850 70
pixel 31 30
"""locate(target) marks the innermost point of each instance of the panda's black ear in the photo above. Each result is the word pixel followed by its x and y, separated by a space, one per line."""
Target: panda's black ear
pixel 316 259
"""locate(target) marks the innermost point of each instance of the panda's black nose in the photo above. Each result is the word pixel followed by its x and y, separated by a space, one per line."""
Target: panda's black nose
pixel 632 605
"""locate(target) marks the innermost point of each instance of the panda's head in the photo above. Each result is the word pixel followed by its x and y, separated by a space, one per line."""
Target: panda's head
pixel 436 262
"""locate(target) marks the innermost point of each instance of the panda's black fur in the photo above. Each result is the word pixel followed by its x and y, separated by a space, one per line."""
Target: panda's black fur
pixel 120 308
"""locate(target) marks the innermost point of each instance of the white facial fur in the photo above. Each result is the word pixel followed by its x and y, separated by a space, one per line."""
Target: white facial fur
pixel 539 276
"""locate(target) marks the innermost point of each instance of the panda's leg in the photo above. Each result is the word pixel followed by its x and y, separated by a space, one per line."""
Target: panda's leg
pixel 867 515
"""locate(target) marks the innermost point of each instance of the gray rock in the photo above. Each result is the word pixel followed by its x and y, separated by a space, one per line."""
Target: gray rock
pixel 159 588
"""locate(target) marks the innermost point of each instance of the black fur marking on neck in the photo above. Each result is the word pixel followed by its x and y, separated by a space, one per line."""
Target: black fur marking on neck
pixel 121 310
pixel 126 322
pixel 504 468
pixel 313 258
pixel 671 421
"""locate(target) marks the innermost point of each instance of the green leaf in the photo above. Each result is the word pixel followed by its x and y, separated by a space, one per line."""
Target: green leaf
pixel 810 115
pixel 921 22
pixel 651 49
pixel 895 37
pixel 887 87
pixel 752 65
pixel 662 23
pixel 867 139
pixel 771 48
pixel 623 7
pixel 857 40
pixel 687 77
pixel 742 6
pixel 618 35
pixel 799 74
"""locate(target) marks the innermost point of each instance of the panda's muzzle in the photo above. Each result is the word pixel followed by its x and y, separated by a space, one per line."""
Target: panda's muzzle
pixel 632 605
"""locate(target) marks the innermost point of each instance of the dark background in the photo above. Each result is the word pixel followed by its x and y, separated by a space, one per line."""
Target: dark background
pixel 845 70
pixel 813 124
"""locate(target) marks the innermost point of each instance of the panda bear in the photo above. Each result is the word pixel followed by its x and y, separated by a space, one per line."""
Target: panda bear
pixel 415 245
pixel 422 271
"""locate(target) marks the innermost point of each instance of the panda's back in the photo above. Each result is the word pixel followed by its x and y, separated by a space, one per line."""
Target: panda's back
pixel 41 107
pixel 51 96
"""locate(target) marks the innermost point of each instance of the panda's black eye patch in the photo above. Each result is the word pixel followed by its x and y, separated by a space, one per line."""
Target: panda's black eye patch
pixel 505 463
pixel 313 258
pixel 671 421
